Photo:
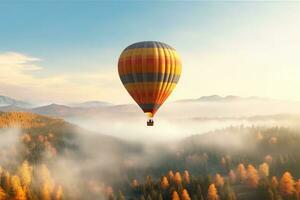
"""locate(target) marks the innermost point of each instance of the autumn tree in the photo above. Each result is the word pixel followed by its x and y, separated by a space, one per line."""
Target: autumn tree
pixel 286 185
pixel 164 183
pixel 268 159
pixel 175 195
pixel 241 172
pixel 109 193
pixel 177 178
pixel 134 183
pixel 218 180
pixel 259 136
pixel 232 177
pixel 297 187
pixel 47 183
pixel 3 195
pixel 212 193
pixel 19 194
pixel 223 162
pixel 185 195
pixel 59 193
pixel 186 176
pixel 274 182
pixel 252 176
pixel 263 170
pixel 25 172
pixel 170 175
pixel 273 140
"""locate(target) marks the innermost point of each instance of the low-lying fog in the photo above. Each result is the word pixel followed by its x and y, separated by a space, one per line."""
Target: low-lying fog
pixel 181 119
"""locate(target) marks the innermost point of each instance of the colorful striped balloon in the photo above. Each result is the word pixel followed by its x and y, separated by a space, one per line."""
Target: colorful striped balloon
pixel 149 71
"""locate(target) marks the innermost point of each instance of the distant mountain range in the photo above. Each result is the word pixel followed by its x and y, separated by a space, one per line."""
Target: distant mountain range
pixel 213 106
pixel 217 98
pixel 7 101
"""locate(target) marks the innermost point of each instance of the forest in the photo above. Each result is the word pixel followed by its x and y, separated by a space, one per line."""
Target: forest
pixel 238 162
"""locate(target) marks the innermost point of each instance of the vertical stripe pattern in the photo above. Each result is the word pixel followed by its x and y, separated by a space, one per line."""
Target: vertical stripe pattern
pixel 149 71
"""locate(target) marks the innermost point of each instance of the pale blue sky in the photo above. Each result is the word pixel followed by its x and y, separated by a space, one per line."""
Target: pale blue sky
pixel 68 51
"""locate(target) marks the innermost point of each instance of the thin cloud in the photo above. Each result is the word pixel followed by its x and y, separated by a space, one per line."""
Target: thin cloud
pixel 18 72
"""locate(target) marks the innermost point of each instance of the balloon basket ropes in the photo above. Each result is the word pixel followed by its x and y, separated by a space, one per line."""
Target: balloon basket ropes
pixel 150 122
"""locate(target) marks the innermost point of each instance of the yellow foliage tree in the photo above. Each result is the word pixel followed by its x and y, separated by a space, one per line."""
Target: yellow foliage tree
pixel 47 183
pixel 259 136
pixel 263 170
pixel 177 178
pixel 7 179
pixel 218 180
pixel 164 183
pixel 59 193
pixel 19 194
pixel 25 172
pixel 223 162
pixel 232 177
pixel 185 195
pixel 186 176
pixel 46 193
pixel 286 185
pixel 212 193
pixel 2 194
pixel 273 140
pixel 170 175
pixel 268 159
pixel 134 183
pixel 274 182
pixel 252 176
pixel 297 188
pixel 241 172
pixel 175 195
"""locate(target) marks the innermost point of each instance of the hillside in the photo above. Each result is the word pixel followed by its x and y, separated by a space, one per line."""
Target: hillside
pixel 62 150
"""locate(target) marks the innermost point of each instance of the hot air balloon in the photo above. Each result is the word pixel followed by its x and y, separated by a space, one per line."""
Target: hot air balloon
pixel 149 71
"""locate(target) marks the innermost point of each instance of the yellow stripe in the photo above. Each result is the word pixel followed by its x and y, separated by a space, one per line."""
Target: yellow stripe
pixel 150 86
pixel 148 51
pixel 125 69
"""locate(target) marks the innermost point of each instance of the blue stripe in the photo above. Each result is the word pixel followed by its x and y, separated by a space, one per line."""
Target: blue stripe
pixel 149 44
pixel 149 77
pixel 149 107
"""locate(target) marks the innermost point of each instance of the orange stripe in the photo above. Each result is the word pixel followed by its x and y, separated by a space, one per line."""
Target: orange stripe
pixel 135 96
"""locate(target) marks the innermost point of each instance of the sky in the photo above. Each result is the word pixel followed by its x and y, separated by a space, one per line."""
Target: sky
pixel 67 51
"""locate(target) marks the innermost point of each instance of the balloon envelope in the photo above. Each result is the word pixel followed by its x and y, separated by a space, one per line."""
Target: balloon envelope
pixel 149 71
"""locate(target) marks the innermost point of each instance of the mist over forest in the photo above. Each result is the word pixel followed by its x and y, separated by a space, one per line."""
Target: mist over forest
pixel 110 153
